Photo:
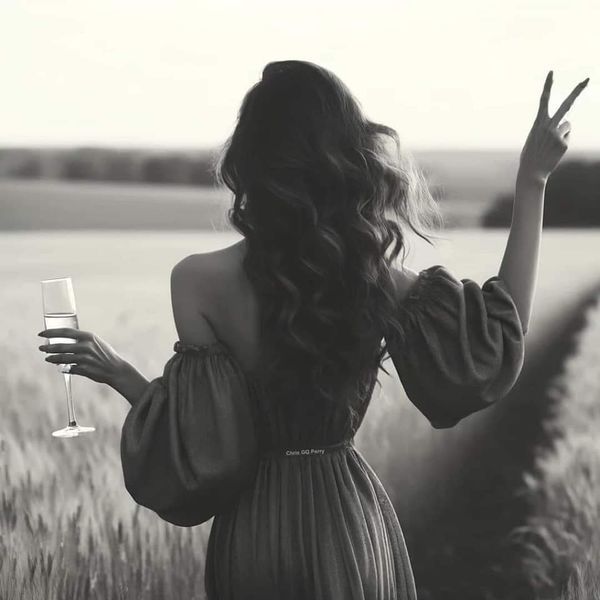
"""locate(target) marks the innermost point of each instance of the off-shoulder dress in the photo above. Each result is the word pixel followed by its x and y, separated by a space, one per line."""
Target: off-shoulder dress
pixel 298 512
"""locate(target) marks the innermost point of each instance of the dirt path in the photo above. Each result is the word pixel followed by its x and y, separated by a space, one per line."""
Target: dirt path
pixel 465 552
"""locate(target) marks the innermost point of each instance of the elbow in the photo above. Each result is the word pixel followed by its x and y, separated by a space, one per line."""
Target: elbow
pixel 462 402
pixel 468 400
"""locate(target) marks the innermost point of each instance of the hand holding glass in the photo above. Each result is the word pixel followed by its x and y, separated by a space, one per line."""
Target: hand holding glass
pixel 59 311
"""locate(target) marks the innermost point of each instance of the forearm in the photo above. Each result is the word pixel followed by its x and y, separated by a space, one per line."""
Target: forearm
pixel 520 261
pixel 130 383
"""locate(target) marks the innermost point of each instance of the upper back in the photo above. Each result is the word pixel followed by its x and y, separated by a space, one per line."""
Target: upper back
pixel 213 299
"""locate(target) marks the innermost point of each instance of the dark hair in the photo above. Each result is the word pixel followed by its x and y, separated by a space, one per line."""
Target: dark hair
pixel 314 188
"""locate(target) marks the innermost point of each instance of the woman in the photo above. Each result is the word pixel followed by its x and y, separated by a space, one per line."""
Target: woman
pixel 281 337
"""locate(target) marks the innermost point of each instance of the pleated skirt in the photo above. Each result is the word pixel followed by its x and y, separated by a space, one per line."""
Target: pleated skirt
pixel 315 525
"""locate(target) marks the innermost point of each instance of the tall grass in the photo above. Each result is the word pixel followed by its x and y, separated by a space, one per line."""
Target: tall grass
pixel 68 528
pixel 561 539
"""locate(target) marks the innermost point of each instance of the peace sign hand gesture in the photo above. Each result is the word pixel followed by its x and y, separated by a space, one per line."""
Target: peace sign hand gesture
pixel 548 139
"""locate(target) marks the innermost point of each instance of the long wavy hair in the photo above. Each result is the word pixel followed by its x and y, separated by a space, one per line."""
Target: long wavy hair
pixel 321 201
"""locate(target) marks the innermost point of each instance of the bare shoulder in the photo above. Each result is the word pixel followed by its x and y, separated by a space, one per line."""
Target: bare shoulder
pixel 204 271
pixel 404 279
pixel 199 282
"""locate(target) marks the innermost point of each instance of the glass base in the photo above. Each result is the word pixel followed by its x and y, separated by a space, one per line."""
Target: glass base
pixel 72 431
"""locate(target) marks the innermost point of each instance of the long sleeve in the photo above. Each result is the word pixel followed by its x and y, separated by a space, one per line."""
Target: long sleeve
pixel 461 347
pixel 189 445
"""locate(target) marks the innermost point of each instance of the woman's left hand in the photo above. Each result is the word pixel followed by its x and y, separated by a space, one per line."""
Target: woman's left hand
pixel 89 356
pixel 548 139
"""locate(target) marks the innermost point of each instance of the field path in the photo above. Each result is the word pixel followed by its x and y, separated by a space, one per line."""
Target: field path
pixel 458 498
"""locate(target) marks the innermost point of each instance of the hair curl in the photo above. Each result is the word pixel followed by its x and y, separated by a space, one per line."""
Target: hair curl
pixel 320 201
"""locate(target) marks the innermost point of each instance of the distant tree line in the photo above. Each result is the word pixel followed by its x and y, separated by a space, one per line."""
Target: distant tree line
pixel 572 198
pixel 572 192
pixel 109 164
pixel 105 164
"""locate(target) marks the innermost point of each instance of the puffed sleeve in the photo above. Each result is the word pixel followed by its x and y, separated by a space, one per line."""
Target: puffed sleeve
pixel 189 445
pixel 462 346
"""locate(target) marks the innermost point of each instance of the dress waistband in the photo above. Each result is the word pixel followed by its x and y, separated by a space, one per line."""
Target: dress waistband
pixel 308 451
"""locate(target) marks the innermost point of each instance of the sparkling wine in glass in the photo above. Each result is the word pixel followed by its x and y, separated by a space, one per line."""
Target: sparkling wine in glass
pixel 59 311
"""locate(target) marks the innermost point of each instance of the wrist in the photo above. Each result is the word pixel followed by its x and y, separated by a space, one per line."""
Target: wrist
pixel 121 372
pixel 529 178
pixel 128 382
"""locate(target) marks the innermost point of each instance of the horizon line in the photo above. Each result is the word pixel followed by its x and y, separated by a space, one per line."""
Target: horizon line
pixel 216 146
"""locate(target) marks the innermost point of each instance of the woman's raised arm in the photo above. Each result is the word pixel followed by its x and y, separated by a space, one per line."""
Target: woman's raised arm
pixel 545 145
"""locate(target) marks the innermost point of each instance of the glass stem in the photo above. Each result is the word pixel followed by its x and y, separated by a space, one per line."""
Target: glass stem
pixel 70 408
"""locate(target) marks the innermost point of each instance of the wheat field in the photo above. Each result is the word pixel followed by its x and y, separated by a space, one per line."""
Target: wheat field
pixel 68 528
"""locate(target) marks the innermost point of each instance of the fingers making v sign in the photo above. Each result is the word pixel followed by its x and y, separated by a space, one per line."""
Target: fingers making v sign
pixel 548 139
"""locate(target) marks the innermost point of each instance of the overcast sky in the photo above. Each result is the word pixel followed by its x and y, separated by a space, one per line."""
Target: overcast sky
pixel 444 73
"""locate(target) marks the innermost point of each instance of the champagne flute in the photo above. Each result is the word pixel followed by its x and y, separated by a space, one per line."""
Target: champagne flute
pixel 59 311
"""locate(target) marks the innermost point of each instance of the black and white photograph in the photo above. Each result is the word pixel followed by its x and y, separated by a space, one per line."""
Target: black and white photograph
pixel 300 300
